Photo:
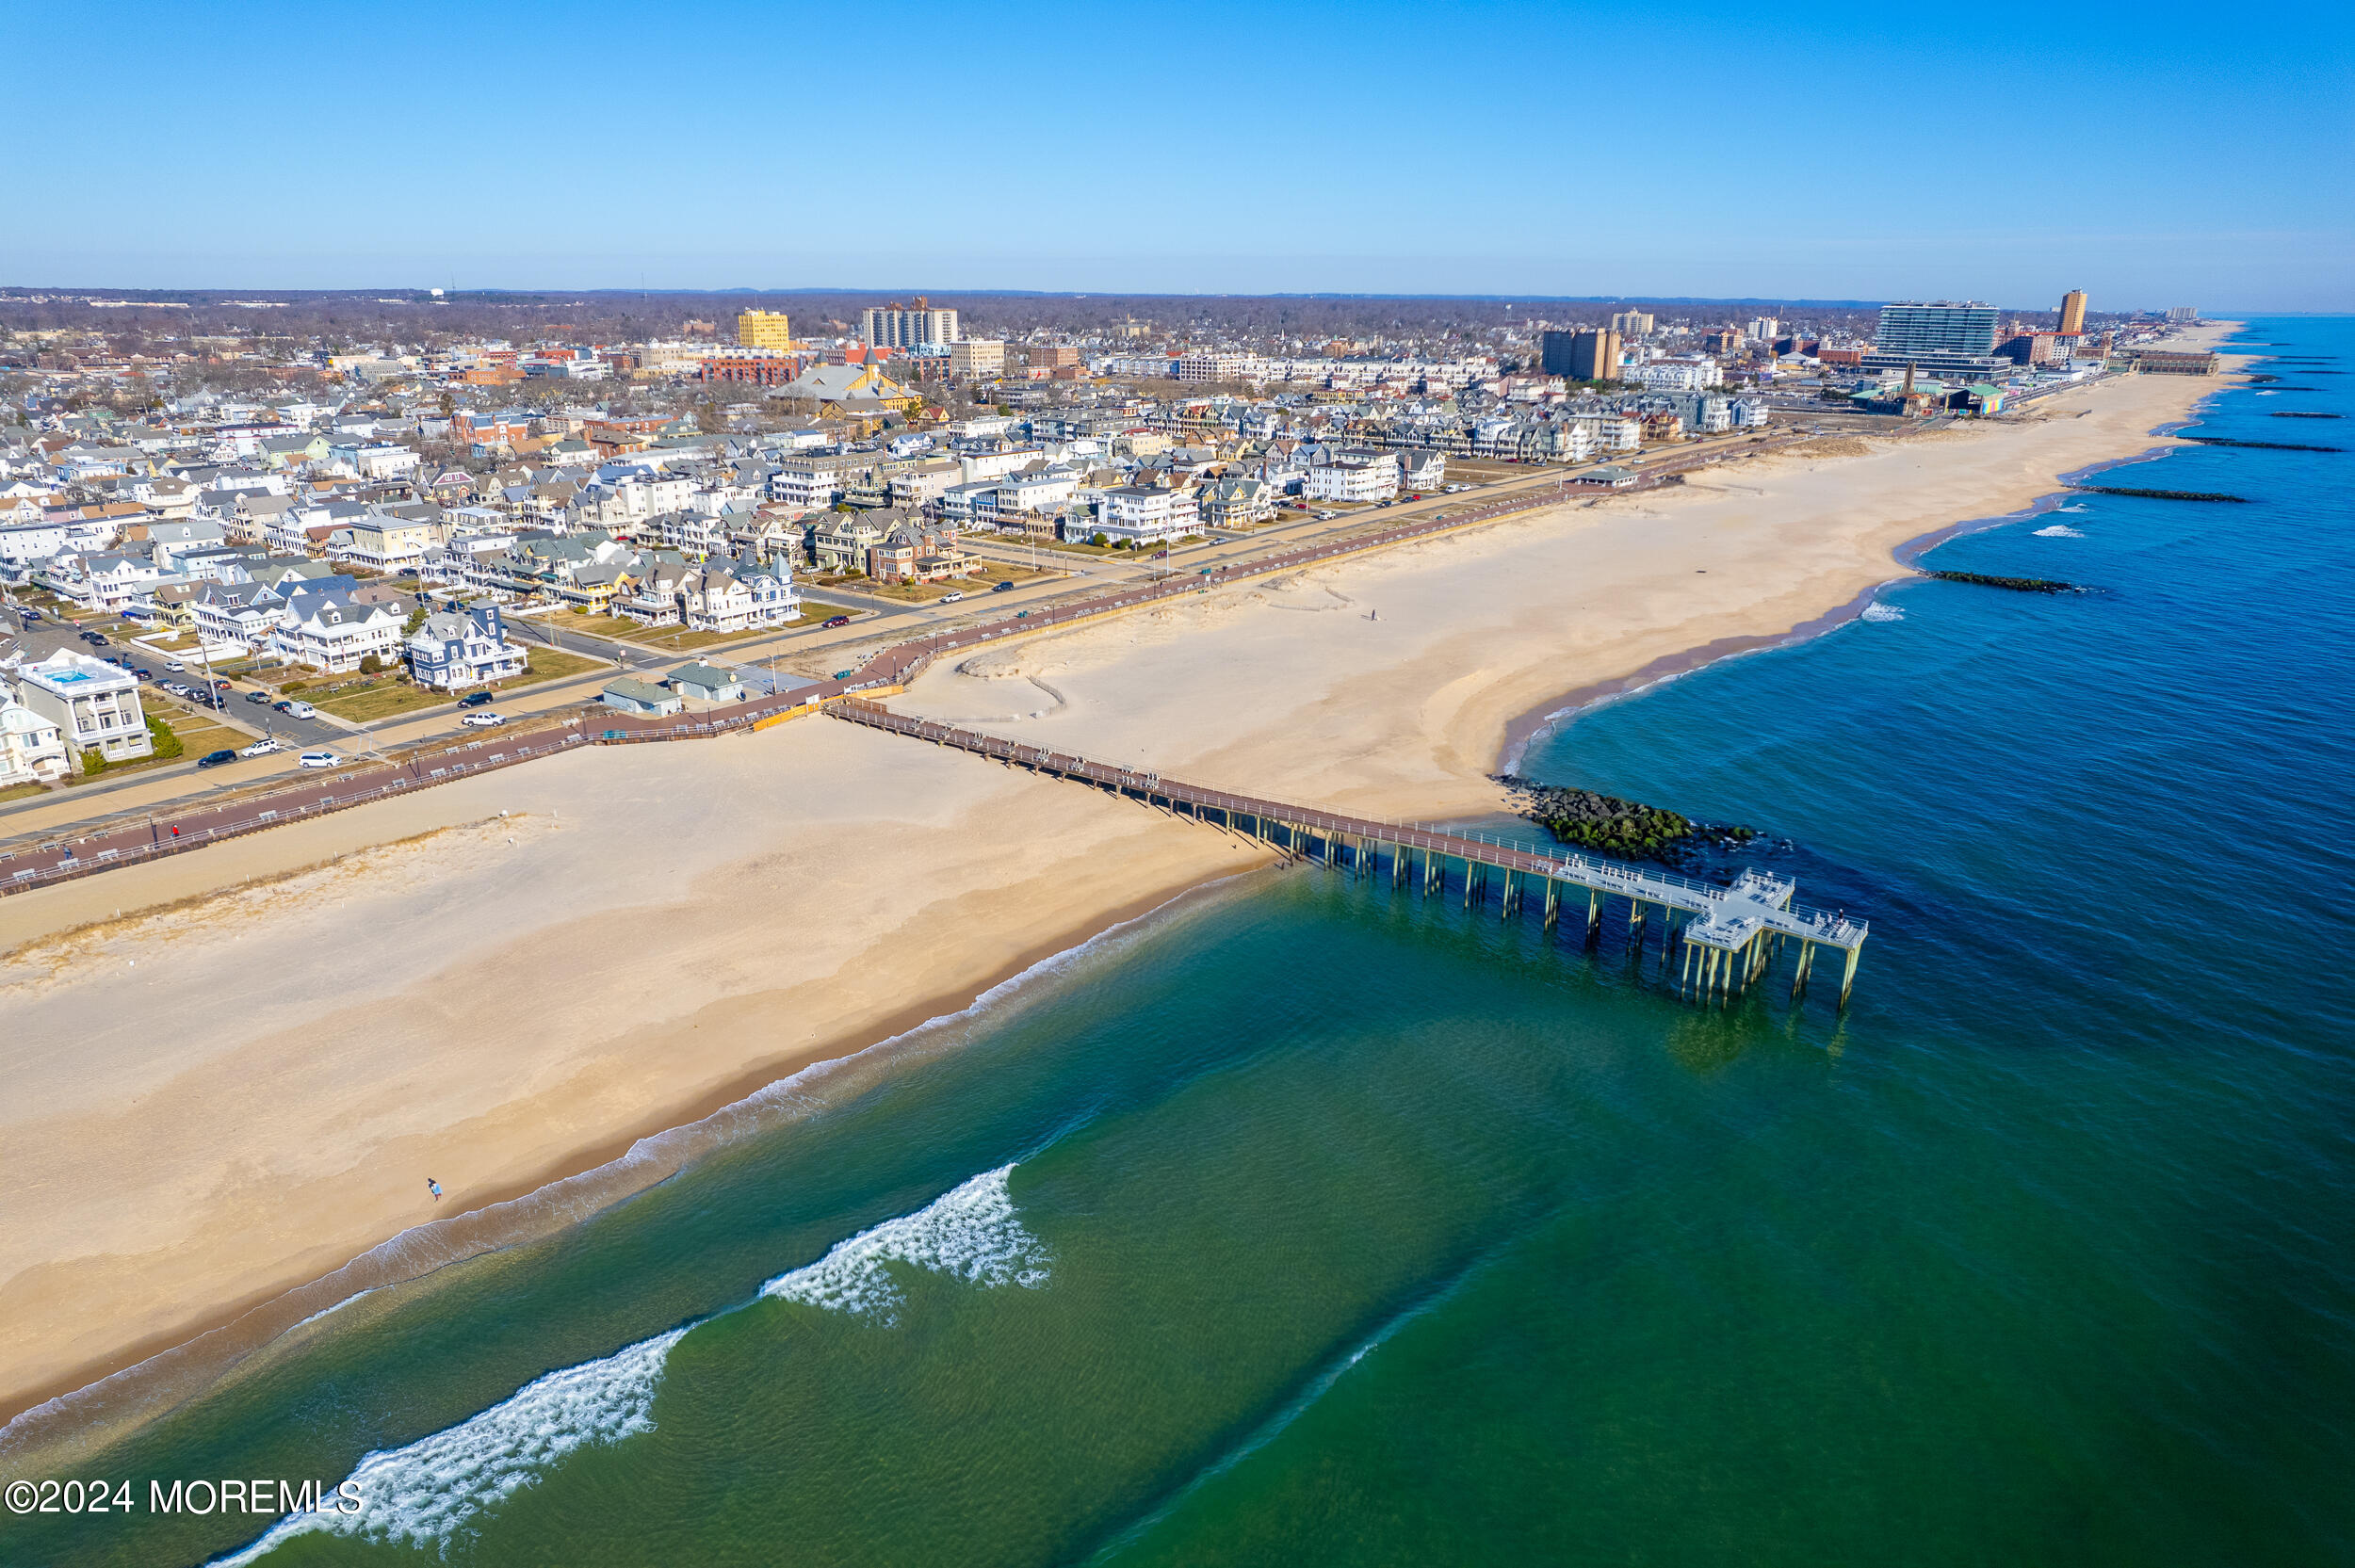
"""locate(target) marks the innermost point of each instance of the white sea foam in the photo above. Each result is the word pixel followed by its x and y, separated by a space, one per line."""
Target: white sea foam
pixel 1882 612
pixel 437 1485
pixel 2059 530
pixel 971 1233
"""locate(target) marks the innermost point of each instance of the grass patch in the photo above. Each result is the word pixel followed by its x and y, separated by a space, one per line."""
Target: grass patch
pixel 23 791
pixel 380 699
pixel 674 640
pixel 551 663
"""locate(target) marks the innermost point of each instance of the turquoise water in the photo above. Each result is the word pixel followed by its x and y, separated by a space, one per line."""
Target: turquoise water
pixel 1321 1221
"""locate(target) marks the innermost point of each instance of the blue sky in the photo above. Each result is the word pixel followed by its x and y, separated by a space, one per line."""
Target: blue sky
pixel 2148 153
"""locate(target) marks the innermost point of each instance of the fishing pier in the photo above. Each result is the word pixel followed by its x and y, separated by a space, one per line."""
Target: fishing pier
pixel 1720 942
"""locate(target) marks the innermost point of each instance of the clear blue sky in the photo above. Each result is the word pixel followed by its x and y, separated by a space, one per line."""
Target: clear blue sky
pixel 2153 155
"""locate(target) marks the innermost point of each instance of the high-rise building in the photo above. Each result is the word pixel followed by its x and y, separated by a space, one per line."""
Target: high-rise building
pixel 1764 330
pixel 1582 356
pixel 898 326
pixel 2072 319
pixel 1631 324
pixel 763 330
pixel 1940 337
pixel 2183 312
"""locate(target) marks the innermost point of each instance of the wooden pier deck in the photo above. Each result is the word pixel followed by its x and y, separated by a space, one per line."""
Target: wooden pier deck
pixel 1722 940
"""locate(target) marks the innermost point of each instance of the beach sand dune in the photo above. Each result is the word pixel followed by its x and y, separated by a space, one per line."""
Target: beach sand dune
pixel 231 1072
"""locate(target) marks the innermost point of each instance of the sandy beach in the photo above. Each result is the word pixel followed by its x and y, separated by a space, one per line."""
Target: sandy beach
pixel 231 1071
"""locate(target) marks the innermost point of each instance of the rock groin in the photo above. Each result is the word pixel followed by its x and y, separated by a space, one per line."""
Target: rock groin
pixel 2018 585
pixel 1623 830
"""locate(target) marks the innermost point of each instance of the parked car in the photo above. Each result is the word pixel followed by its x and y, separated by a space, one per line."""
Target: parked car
pixel 257 696
pixel 838 620
pixel 214 759
pixel 144 674
pixel 952 596
pixel 31 616
pixel 318 759
pixel 477 699
pixel 262 748
pixel 482 720
pixel 177 668
pixel 1002 588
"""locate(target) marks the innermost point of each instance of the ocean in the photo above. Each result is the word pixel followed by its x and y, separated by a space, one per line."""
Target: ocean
pixel 1313 1221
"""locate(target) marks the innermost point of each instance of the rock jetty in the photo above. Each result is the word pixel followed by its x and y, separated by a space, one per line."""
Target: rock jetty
pixel 2158 494
pixel 2018 585
pixel 1623 830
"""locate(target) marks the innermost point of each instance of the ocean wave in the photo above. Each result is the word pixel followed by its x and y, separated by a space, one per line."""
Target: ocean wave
pixel 970 1234
pixel 434 1486
pixel 438 1485
pixel 1882 612
pixel 2059 530
pixel 68 1426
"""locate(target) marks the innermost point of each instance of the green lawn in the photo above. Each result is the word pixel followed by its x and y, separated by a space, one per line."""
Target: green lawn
pixel 380 698
pixel 23 791
pixel 552 664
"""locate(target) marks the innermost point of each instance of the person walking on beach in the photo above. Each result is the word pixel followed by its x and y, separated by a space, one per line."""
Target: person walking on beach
pixel 433 1186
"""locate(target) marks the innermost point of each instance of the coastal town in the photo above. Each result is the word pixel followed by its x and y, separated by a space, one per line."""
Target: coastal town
pixel 226 543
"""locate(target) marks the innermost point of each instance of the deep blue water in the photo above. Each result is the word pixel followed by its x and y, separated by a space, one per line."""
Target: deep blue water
pixel 1322 1222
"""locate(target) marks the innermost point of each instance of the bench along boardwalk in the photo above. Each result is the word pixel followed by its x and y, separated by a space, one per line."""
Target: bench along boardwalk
pixel 1719 940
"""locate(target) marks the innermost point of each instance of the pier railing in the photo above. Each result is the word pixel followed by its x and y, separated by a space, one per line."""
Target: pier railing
pixel 1727 935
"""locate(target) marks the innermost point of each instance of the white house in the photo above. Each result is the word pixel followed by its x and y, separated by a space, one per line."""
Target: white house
pixel 334 633
pixel 1355 476
pixel 1144 514
pixel 735 596
pixel 32 746
pixel 94 706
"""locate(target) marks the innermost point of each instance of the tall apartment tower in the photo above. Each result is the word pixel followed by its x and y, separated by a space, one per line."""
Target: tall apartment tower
pixel 897 326
pixel 1632 324
pixel 2072 320
pixel 1583 356
pixel 763 330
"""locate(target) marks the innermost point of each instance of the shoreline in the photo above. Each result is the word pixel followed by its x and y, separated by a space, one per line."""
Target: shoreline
pixel 1538 722
pixel 51 1415
pixel 49 1425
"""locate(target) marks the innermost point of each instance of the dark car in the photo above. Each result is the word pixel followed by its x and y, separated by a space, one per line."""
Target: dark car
pixel 286 706
pixel 1002 588
pixel 214 759
pixel 838 620
pixel 477 699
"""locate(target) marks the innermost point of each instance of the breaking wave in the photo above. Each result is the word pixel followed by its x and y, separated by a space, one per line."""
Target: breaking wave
pixel 438 1485
pixel 435 1485
pixel 970 1234
pixel 1882 612
pixel 2059 530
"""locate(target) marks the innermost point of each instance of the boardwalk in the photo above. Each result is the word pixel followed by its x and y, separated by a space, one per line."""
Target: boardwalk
pixel 1722 940
pixel 1726 937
